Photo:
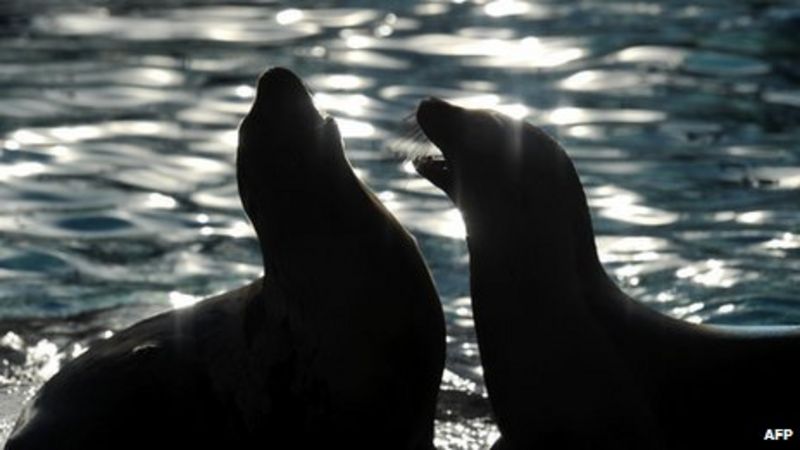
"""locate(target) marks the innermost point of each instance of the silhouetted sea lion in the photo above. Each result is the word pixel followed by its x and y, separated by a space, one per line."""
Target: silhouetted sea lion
pixel 340 345
pixel 569 360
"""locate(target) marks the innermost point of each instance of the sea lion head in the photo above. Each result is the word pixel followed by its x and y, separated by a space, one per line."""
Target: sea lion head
pixel 290 159
pixel 494 168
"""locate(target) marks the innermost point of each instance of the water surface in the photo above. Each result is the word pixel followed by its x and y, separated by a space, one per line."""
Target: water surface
pixel 118 130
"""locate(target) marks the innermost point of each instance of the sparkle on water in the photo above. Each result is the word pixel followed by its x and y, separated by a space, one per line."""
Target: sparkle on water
pixel 118 130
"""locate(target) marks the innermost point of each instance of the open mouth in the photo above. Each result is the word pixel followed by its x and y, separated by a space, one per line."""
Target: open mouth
pixel 438 119
pixel 437 170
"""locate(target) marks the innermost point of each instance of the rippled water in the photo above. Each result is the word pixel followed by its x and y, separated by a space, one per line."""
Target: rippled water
pixel 117 134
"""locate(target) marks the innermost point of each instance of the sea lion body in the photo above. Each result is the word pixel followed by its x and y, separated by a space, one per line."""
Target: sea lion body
pixel 165 382
pixel 569 360
pixel 341 344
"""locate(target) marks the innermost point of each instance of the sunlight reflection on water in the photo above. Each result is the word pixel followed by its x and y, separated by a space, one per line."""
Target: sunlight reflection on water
pixel 117 138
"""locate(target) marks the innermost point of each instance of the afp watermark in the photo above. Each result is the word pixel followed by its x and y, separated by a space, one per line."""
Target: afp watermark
pixel 778 434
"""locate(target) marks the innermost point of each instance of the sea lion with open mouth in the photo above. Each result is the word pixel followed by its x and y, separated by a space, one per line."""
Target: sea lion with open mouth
pixel 339 345
pixel 569 360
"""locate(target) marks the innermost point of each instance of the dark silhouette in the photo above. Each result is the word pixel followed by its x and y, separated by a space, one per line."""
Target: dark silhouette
pixel 569 360
pixel 339 345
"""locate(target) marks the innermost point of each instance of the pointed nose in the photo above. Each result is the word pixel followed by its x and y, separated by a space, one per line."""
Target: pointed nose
pixel 283 97
pixel 434 104
pixel 277 80
pixel 439 120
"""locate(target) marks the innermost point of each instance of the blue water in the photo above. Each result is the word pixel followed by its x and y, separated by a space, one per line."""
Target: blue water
pixel 118 129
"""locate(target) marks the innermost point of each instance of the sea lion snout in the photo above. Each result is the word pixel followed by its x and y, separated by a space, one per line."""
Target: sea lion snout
pixel 440 121
pixel 287 149
pixel 279 77
pixel 282 100
pixel 283 129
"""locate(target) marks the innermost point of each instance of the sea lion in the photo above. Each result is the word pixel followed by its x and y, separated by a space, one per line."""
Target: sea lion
pixel 569 360
pixel 340 344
